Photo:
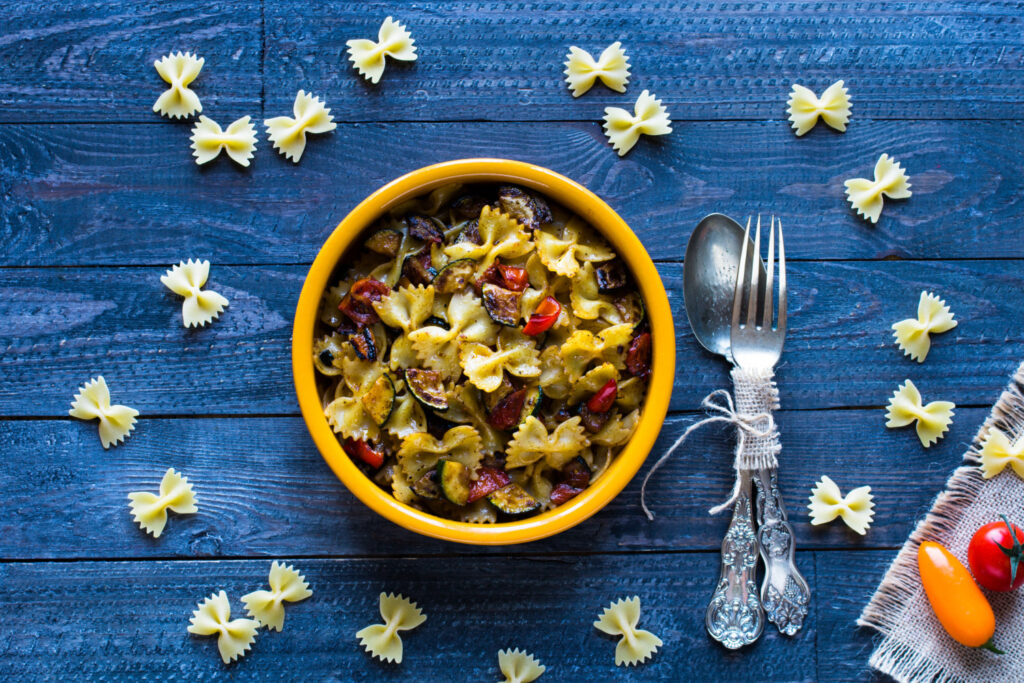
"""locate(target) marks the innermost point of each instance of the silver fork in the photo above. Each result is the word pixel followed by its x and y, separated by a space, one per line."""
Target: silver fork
pixel 757 344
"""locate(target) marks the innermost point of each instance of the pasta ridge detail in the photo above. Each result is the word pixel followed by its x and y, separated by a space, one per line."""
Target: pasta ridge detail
pixel 913 334
pixel 286 585
pixel 620 619
pixel 906 406
pixel 179 70
pixel 866 196
pixel 805 108
pixel 93 402
pixel 827 502
pixel 187 279
pixel 649 117
pixel 582 70
pixel 393 40
pixel 150 510
pixel 288 133
pixel 213 617
pixel 383 640
pixel 519 666
pixel 209 140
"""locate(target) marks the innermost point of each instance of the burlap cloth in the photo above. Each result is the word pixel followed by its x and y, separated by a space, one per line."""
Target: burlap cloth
pixel 915 647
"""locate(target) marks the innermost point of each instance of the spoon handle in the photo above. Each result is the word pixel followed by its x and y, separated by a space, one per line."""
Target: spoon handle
pixel 784 592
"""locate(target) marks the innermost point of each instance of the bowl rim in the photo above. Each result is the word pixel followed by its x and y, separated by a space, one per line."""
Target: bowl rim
pixel 607 222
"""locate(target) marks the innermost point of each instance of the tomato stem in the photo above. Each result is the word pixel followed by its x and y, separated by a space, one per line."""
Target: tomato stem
pixel 991 647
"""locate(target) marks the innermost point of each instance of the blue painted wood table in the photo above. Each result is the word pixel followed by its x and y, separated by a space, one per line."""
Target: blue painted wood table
pixel 98 196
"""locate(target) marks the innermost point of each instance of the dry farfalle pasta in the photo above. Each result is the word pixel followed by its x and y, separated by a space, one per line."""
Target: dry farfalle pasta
pixel 187 279
pixel 649 117
pixel 393 40
pixel 150 509
pixel 179 70
pixel 998 451
pixel 891 181
pixel 582 70
pixel 933 420
pixel 620 619
pixel 288 133
pixel 856 508
pixel 533 442
pixel 382 640
pixel 213 617
pixel 518 666
pixel 913 334
pixel 208 140
pixel 286 585
pixel 92 402
pixel 805 107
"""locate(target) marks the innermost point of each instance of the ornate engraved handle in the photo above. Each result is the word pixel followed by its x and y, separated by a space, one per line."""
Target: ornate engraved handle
pixel 784 593
pixel 734 617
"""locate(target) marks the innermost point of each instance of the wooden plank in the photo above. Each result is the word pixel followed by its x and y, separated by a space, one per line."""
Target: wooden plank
pixel 264 490
pixel 98 194
pixel 487 60
pixel 93 61
pixel 546 605
pixel 60 326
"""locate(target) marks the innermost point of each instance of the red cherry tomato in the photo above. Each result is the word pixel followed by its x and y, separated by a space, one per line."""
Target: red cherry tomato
pixel 996 556
pixel 544 317
pixel 638 356
pixel 489 480
pixel 358 303
pixel 604 399
pixel 357 448
pixel 508 410
pixel 563 493
pixel 512 278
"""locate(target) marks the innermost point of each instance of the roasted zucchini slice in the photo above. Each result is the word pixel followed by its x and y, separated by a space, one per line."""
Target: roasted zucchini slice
pixel 513 500
pixel 419 268
pixel 455 276
pixel 611 276
pixel 501 304
pixel 379 399
pixel 528 209
pixel 531 406
pixel 427 387
pixel 385 242
pixel 364 344
pixel 425 229
pixel 631 308
pixel 437 322
pixel 455 481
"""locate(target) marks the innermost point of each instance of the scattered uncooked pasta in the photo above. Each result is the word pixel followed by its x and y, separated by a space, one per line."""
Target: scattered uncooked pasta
pixel 891 181
pixel 208 140
pixel 187 279
pixel 150 509
pixel 393 40
pixel 289 133
pixel 620 619
pixel 518 666
pixel 805 108
pixel 649 117
pixel 213 617
pixel 998 451
pixel 286 585
pixel 856 508
pixel 582 70
pixel 92 402
pixel 179 70
pixel 933 420
pixel 913 334
pixel 382 640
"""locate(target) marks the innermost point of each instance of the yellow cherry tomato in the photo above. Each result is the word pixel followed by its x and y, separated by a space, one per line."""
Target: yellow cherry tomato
pixel 959 604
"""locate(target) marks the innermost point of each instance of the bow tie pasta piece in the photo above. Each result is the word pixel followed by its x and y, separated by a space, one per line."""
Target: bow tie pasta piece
pixel 468 323
pixel 93 402
pixel 393 40
pixel 234 637
pixel 913 335
pixel 589 384
pixel 289 133
pixel 617 430
pixel 208 140
pixel 406 308
pixel 408 416
pixel 518 666
pixel 582 71
pixel 150 510
pixel 464 407
pixel 479 512
pixel 562 253
pixel 420 453
pixel 623 129
pixel 179 70
pixel 583 346
pixel 805 107
pixel 933 420
pixel 856 508
pixel 997 451
pixel 620 619
pixel 891 181
pixel 588 303
pixel 360 414
pixel 187 279
pixel 382 640
pixel 517 354
pixel 501 236
pixel 532 442
pixel 286 585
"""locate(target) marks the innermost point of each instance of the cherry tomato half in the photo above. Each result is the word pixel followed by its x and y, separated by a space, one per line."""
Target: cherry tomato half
pixel 544 317
pixel 604 399
pixel 638 356
pixel 358 303
pixel 996 556
pixel 489 480
pixel 357 448
pixel 512 278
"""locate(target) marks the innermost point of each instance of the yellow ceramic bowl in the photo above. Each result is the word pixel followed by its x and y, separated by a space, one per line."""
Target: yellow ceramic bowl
pixel 577 199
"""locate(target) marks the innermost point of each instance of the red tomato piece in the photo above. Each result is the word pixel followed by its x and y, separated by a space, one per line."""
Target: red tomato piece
pixel 512 278
pixel 604 399
pixel 357 448
pixel 507 411
pixel 489 480
pixel 996 556
pixel 544 317
pixel 563 493
pixel 638 356
pixel 358 303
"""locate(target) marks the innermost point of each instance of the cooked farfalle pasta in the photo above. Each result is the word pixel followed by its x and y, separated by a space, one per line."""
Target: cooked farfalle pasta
pixel 187 279
pixel 906 406
pixel 856 508
pixel 150 509
pixel 179 70
pixel 518 666
pixel 502 236
pixel 421 452
pixel 406 307
pixel 468 323
pixel 208 140
pixel 618 430
pixel 583 346
pixel 516 355
pixel 213 617
pixel 805 107
pixel 393 40
pixel 563 253
pixel 288 133
pixel 998 451
pixel 649 117
pixel 913 334
pixel 533 442
pixel 352 414
pixel 286 585
pixel 582 70
pixel 382 640
pixel 92 402
pixel 620 619
pixel 891 181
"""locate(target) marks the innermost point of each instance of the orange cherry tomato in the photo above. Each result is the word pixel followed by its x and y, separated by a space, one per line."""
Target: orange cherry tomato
pixel 959 604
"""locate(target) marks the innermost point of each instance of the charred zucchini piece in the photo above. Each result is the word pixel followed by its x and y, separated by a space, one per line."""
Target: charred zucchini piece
pixel 469 206
pixel 418 267
pixel 513 500
pixel 611 276
pixel 437 322
pixel 424 229
pixel 501 304
pixel 427 387
pixel 364 345
pixel 531 406
pixel 456 276
pixel 529 210
pixel 426 485
pixel 379 399
pixel 631 308
pixel 385 242
pixel 455 482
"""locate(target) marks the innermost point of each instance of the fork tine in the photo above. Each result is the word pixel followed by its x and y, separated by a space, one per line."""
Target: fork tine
pixel 782 283
pixel 766 317
pixel 737 297
pixel 755 272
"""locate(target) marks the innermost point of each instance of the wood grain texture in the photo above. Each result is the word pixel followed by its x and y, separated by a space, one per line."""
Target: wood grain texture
pixel 495 61
pixel 131 194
